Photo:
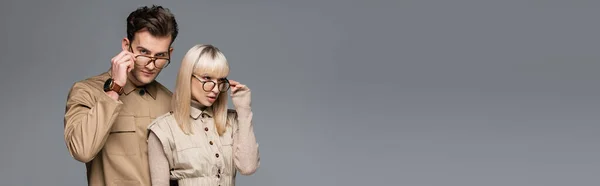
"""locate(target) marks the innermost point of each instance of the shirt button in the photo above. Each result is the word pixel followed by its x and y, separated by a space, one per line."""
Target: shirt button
pixel 218 176
pixel 205 128
pixel 217 155
pixel 142 92
pixel 210 142
pixel 219 171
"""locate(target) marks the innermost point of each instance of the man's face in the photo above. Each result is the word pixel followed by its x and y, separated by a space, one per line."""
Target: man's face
pixel 151 52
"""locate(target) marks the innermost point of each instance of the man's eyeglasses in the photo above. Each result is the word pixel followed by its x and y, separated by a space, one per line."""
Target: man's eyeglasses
pixel 143 60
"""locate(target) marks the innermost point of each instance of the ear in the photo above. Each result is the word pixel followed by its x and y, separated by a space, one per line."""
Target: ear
pixel 170 50
pixel 125 44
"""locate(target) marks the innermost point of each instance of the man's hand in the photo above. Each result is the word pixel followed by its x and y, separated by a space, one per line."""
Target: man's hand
pixel 121 65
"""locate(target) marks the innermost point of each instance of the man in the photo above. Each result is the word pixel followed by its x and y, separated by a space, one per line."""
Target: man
pixel 107 115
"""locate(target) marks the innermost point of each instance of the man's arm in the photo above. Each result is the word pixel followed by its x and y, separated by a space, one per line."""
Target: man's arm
pixel 88 119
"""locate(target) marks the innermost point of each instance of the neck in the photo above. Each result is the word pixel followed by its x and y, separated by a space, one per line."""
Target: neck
pixel 131 79
pixel 198 105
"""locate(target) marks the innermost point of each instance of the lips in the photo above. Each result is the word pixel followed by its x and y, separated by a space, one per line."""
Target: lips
pixel 212 98
pixel 147 73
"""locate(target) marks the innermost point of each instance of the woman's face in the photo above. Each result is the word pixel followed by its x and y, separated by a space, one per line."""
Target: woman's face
pixel 206 88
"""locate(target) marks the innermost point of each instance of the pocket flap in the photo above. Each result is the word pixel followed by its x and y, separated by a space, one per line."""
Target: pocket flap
pixel 123 124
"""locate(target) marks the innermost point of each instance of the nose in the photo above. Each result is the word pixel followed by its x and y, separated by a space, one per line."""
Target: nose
pixel 215 89
pixel 150 65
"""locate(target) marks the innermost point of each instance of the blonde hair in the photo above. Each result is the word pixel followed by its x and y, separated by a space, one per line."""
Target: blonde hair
pixel 200 59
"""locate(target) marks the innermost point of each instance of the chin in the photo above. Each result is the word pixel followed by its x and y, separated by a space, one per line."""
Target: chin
pixel 145 80
pixel 206 103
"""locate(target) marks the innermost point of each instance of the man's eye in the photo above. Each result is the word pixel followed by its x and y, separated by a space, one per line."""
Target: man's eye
pixel 144 51
pixel 160 55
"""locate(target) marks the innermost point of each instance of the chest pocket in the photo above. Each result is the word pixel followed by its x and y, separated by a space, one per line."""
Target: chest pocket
pixel 122 139
pixel 190 153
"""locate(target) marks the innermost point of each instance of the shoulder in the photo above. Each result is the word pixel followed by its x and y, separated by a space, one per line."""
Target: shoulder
pixel 96 81
pixel 163 127
pixel 89 86
pixel 162 122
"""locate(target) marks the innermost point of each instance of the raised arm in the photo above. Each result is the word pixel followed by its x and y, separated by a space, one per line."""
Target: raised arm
pixel 88 119
pixel 245 147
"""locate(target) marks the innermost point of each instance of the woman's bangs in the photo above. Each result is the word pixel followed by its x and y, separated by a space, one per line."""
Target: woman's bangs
pixel 216 68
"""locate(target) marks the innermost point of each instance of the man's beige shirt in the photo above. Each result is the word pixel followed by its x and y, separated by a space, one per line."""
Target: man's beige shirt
pixel 110 136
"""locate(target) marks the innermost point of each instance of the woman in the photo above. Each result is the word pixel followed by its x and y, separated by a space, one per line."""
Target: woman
pixel 201 142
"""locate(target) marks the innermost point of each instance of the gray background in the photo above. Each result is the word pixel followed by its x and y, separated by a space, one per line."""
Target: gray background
pixel 417 93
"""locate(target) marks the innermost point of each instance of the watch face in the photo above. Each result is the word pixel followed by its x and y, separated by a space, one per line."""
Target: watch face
pixel 107 85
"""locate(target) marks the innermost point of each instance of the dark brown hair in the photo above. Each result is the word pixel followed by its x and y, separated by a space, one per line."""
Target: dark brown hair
pixel 159 21
pixel 211 50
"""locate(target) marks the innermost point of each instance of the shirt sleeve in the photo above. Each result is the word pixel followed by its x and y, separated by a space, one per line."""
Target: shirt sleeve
pixel 89 116
pixel 245 148
pixel 159 165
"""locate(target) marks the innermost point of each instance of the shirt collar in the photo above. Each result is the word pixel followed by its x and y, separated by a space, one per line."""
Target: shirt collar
pixel 150 88
pixel 196 112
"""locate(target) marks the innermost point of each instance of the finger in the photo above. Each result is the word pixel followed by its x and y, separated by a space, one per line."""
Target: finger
pixel 130 67
pixel 118 57
pixel 235 88
pixel 127 56
pixel 233 82
pixel 121 54
pixel 131 60
pixel 131 55
pixel 124 66
pixel 123 69
pixel 238 88
pixel 126 62
pixel 130 63
pixel 234 92
pixel 122 58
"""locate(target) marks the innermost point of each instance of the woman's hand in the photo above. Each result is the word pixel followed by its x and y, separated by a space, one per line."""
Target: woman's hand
pixel 240 94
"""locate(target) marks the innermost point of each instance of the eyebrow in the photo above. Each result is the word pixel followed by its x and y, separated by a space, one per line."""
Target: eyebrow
pixel 206 75
pixel 142 48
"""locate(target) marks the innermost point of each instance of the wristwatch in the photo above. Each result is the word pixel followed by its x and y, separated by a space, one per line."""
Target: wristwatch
pixel 110 85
